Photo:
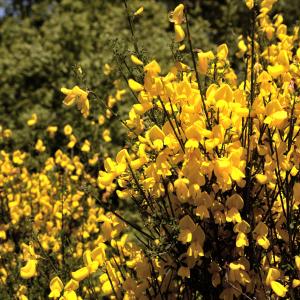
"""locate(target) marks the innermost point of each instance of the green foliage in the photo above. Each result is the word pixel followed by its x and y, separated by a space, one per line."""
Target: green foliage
pixel 40 48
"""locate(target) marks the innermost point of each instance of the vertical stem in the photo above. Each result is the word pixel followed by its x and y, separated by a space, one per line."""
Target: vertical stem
pixel 196 71
pixel 249 119
pixel 136 48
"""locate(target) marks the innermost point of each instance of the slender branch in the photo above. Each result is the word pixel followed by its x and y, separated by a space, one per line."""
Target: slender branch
pixel 196 70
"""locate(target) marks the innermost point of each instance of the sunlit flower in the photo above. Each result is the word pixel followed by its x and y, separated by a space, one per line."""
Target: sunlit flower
pixel 79 97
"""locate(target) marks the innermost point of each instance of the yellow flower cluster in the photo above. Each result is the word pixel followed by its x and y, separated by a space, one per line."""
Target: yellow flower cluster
pixel 215 163
pixel 49 217
pixel 50 212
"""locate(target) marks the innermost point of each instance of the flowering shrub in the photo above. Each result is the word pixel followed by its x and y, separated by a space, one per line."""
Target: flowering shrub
pixel 211 169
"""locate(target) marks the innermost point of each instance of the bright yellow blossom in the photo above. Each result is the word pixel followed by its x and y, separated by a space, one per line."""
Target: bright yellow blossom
pixel 79 97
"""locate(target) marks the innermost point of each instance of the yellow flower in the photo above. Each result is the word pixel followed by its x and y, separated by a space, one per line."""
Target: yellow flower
pixel 236 201
pixel 39 146
pixel 139 11
pixel 56 287
pixel 80 274
pixel 177 16
pixel 98 254
pixel 136 60
pixel 152 68
pixel 297 262
pixel 106 135
pixel 90 267
pixel 71 285
pixel 295 283
pixel 3 274
pixel 94 159
pixel 72 141
pixel 101 119
pixel 261 178
pixel 278 289
pixel 203 61
pixel 260 233
pixel 70 295
pixel 79 97
pixel 18 157
pixel 106 287
pixel 241 240
pixel 238 273
pixel 52 130
pixel 7 133
pixel 242 46
pixel 33 120
pixel 29 270
pixel 155 137
pixel 182 190
pixel 276 115
pixel 86 147
pixel 179 33
pixel 135 86
pixel 187 228
pixel 107 69
pixel 68 129
pixel 181 47
pixel 250 3
pixel 222 52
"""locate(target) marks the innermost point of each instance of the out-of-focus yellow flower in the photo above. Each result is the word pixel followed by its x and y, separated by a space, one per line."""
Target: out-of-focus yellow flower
pixel 90 267
pixel 7 133
pixel 29 270
pixel 3 229
pixel 297 262
pixel 250 3
pixel 295 283
pixel 72 141
pixel 21 293
pixel 52 130
pixel 139 11
pixel 33 120
pixel 101 119
pixel 181 47
pixel 94 159
pixel 57 287
pixel 106 135
pixel 86 147
pixel 107 69
pixel 39 146
pixel 3 274
pixel 68 129
pixel 136 60
pixel 18 157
